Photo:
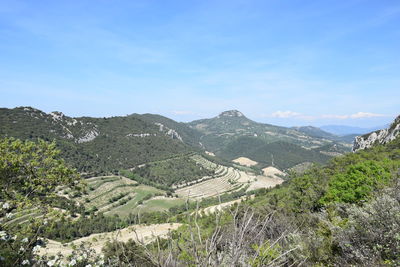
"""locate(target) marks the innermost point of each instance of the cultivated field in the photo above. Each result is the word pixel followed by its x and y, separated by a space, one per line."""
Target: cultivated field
pixel 116 195
pixel 245 161
pixel 271 178
pixel 227 179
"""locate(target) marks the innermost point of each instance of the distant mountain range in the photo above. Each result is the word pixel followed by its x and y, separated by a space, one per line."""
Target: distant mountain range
pixel 343 130
pixel 98 145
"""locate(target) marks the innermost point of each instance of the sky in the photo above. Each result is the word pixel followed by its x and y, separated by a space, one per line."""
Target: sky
pixel 285 62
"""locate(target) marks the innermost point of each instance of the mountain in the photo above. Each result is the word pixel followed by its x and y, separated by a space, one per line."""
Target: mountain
pixel 319 133
pixel 178 129
pixel 343 130
pixel 95 145
pixel 101 145
pixel 315 132
pixel 281 154
pixel 378 137
pixel 231 134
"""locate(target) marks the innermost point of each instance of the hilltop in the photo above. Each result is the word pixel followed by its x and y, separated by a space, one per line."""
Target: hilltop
pixel 231 135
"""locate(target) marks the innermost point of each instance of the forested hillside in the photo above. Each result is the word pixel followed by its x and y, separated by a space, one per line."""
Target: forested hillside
pixel 104 145
pixel 231 135
pixel 280 154
pixel 96 145
pixel 345 213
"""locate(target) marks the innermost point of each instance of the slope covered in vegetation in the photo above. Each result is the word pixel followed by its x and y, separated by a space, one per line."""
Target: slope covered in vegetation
pixel 346 213
pixel 95 145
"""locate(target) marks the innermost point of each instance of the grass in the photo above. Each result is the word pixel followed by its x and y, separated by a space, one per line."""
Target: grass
pixel 141 192
pixel 160 204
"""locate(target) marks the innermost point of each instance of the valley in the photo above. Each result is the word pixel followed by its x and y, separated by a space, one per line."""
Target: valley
pixel 151 176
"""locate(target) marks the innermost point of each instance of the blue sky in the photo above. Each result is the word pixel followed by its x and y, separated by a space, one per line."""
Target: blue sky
pixel 286 62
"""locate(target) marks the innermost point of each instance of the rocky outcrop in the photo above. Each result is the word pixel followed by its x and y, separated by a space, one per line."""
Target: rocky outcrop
pixel 378 137
pixel 169 132
pixel 231 113
pixel 89 136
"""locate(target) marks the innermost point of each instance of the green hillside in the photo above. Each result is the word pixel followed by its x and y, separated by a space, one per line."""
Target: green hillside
pixel 170 171
pixel 103 145
pixel 344 214
pixel 95 145
pixel 315 132
pixel 319 133
pixel 189 135
pixel 280 154
pixel 231 135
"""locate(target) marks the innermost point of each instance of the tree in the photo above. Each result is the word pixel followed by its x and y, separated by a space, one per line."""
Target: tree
pixel 30 173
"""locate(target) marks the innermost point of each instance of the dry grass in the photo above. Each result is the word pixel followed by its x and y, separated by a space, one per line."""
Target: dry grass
pixel 245 161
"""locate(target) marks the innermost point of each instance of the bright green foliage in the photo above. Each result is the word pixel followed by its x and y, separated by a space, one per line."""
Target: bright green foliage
pixel 346 212
pixel 358 181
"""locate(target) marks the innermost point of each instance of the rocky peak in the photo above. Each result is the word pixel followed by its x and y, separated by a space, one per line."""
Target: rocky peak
pixel 56 115
pixel 231 113
pixel 378 137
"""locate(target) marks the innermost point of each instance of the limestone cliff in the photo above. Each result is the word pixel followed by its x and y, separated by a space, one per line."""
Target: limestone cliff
pixel 378 137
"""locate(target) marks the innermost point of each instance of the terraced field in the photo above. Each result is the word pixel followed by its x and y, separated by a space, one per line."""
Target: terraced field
pixel 116 195
pixel 225 179
pixel 204 162
pixel 22 216
pixel 141 192
pixel 159 204
pixel 105 192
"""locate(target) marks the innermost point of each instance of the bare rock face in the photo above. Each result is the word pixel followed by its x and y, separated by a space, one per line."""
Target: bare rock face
pixel 378 137
pixel 231 113
pixel 169 132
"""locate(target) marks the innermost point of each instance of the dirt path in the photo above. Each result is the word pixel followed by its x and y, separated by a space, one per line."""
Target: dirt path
pixel 219 207
pixel 142 233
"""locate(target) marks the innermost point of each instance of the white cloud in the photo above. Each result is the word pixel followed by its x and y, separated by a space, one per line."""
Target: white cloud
pixel 359 115
pixel 285 114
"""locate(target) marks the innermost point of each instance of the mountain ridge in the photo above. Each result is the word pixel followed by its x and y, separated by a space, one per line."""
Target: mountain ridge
pixel 121 142
pixel 95 144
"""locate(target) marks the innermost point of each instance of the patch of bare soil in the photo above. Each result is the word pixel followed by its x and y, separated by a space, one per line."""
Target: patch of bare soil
pixel 245 161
